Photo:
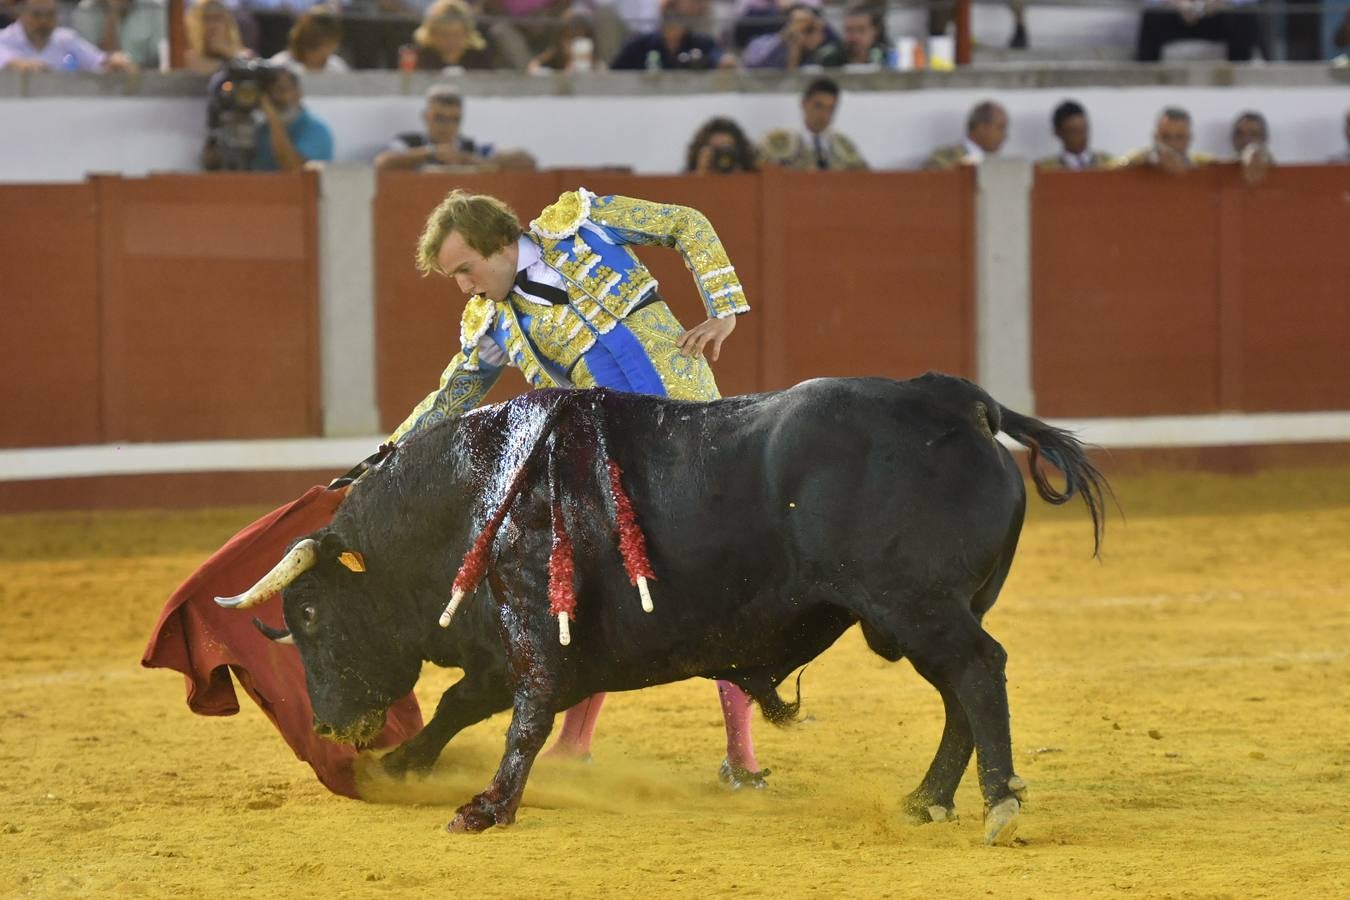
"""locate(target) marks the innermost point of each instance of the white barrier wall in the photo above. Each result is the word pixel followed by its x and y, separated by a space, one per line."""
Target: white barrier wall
pixel 65 138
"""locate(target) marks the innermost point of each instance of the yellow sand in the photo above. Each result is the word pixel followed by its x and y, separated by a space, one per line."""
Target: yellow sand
pixel 1181 711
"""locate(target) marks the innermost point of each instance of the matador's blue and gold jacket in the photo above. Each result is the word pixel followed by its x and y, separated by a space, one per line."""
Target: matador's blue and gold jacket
pixel 586 239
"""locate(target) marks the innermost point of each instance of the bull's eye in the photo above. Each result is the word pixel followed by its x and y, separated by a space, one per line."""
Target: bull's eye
pixel 308 615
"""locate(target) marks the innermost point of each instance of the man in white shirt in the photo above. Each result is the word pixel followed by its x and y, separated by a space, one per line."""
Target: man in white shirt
pixel 34 44
pixel 986 130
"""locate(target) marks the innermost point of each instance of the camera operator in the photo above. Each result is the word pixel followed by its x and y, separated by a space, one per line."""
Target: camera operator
pixel 258 123
pixel 720 147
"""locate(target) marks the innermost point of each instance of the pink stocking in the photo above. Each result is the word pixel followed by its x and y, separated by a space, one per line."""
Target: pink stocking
pixel 578 728
pixel 736 714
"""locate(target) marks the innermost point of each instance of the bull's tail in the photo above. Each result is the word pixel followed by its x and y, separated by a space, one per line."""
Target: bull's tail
pixel 1065 452
pixel 773 707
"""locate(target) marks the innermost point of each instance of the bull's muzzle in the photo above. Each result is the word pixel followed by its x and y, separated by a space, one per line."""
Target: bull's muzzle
pixel 303 557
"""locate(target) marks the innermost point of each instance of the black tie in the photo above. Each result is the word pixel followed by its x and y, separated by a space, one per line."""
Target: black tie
pixel 821 161
pixel 555 295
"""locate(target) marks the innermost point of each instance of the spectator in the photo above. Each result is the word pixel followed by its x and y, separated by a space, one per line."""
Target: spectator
pixel 720 147
pixel 34 43
pixel 1171 150
pixel 133 27
pixel 577 33
pixel 865 36
pixel 313 45
pixel 986 130
pixel 1070 124
pixel 816 147
pixel 522 29
pixel 1230 22
pixel 442 144
pixel 675 44
pixel 1344 157
pixel 290 136
pixel 759 17
pixel 804 40
pixel 615 21
pixel 212 37
pixel 448 38
pixel 1251 145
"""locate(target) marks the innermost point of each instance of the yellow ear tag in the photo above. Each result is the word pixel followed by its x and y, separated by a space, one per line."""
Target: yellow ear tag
pixel 352 560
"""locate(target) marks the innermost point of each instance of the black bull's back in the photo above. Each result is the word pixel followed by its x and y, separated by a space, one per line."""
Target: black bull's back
pixel 772 522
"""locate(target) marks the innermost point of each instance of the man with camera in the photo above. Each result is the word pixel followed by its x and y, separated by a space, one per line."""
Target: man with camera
pixel 815 147
pixel 258 123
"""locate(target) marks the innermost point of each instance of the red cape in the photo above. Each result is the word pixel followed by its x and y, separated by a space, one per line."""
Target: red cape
pixel 200 639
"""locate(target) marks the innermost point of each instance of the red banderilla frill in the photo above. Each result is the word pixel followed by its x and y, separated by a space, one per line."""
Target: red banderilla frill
pixel 632 543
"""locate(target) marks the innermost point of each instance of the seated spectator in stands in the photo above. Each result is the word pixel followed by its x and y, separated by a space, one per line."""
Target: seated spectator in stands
pixel 1070 124
pixel 675 44
pixel 1251 146
pixel 212 37
pixel 574 50
pixel 290 136
pixel 720 147
pixel 815 147
pixel 449 38
pixel 522 29
pixel 1344 157
pixel 1171 150
pixel 133 27
pixel 34 43
pixel 1230 22
pixel 313 44
pixel 442 146
pixel 865 36
pixel 804 40
pixel 986 130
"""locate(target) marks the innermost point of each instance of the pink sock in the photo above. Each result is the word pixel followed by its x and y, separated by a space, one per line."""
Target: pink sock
pixel 578 727
pixel 736 715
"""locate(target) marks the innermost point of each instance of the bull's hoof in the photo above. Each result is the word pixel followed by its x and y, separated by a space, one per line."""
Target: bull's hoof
pixel 735 778
pixel 920 813
pixel 1000 823
pixel 471 819
pixel 403 761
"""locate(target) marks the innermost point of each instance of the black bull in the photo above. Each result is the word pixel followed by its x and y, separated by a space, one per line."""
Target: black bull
pixel 774 522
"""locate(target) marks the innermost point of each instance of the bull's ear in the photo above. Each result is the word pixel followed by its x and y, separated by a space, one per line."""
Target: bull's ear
pixel 352 560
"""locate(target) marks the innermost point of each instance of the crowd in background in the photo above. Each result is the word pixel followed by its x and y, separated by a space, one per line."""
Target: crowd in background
pixel 543 35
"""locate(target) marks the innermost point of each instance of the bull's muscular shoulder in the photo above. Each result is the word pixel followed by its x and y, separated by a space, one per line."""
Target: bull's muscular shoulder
pixel 563 217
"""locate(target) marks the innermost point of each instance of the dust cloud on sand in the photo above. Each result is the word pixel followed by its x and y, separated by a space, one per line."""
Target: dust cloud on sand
pixel 1180 712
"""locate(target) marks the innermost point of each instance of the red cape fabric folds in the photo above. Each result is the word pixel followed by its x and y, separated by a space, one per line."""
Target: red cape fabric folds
pixel 204 642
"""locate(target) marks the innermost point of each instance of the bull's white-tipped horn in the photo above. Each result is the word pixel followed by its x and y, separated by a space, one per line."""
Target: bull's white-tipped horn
pixel 646 594
pixel 564 630
pixel 301 559
pixel 455 599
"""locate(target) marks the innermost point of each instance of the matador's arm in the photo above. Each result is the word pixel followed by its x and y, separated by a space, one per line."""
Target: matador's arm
pixel 679 227
pixel 465 382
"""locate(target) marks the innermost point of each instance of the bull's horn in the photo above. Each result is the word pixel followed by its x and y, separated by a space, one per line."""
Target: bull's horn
pixel 303 557
pixel 279 635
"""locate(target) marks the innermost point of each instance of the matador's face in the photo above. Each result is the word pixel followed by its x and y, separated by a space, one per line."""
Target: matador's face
pixel 491 276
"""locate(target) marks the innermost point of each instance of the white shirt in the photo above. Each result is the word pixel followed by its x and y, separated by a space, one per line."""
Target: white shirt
pixel 335 63
pixel 65 50
pixel 1076 160
pixel 974 152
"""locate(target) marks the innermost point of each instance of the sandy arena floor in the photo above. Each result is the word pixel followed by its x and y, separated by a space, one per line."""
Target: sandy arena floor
pixel 1181 711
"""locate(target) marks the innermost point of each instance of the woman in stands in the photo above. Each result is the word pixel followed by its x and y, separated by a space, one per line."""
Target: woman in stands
pixel 213 37
pixel 449 38
pixel 313 44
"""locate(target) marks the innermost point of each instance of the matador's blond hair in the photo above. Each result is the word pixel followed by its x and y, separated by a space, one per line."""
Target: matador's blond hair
pixel 486 224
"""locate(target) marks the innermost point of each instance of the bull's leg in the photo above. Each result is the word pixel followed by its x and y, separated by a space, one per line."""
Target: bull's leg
pixel 964 659
pixel 934 800
pixel 530 725
pixel 468 701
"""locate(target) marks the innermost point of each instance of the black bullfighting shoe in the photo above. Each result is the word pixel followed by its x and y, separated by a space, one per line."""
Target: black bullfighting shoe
pixel 735 778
